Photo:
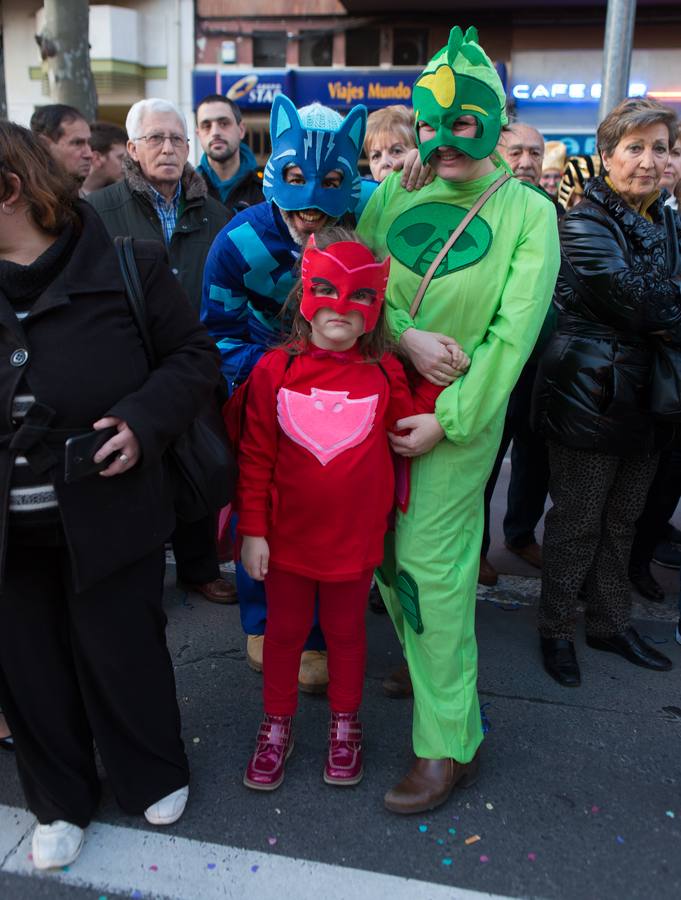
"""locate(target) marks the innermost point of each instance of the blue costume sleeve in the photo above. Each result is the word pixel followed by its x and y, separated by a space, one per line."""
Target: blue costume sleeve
pixel 224 310
pixel 246 279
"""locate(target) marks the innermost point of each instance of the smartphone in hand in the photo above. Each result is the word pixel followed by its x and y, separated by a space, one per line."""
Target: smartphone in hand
pixel 80 450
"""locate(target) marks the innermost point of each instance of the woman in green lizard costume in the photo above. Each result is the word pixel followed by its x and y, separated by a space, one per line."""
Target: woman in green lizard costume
pixel 490 294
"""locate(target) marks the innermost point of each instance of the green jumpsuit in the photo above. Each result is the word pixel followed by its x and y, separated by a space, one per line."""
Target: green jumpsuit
pixel 491 294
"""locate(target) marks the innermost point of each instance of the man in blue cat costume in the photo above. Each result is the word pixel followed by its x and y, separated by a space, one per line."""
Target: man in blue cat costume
pixel 310 181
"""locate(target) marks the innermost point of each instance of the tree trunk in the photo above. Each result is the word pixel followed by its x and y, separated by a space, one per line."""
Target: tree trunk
pixel 65 44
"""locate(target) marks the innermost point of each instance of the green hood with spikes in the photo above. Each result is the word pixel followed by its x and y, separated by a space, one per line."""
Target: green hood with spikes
pixel 460 80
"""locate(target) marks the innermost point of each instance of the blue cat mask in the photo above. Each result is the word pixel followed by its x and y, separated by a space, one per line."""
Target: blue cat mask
pixel 317 152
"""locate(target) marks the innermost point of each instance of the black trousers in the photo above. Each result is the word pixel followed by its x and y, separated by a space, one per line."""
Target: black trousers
pixel 662 500
pixel 195 549
pixel 90 666
pixel 529 482
pixel 587 539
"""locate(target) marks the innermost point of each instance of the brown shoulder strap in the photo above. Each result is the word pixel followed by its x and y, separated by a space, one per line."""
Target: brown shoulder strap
pixel 453 238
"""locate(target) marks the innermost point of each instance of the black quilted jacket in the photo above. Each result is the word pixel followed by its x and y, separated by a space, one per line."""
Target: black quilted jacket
pixel 615 288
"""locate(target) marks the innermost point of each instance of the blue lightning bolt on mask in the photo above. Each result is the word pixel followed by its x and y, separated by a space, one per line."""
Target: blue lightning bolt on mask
pixel 298 140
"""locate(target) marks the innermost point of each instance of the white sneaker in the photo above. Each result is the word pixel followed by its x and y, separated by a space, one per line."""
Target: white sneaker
pixel 168 809
pixel 57 844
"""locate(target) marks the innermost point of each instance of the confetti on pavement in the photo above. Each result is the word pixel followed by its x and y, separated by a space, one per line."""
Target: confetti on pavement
pixel 451 830
pixel 447 861
pixel 620 839
pixel 532 857
pixel 154 868
pixel 423 828
pixel 595 809
pixel 210 866
pixel 670 813
pixel 489 806
pixel 484 859
pixel 254 868
pixel 271 841
pixel 473 839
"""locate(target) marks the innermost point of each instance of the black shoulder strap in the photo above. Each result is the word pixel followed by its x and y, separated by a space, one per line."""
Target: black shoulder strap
pixel 134 293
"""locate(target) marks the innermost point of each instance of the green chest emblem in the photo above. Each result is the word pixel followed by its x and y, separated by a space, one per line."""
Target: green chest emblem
pixel 417 236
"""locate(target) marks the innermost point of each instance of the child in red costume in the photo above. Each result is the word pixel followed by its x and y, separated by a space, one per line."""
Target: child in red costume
pixel 316 490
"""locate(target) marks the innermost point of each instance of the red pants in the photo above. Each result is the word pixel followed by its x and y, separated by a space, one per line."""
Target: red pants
pixel 290 613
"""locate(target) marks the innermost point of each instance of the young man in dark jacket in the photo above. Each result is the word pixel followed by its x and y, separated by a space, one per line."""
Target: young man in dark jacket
pixel 227 164
pixel 162 198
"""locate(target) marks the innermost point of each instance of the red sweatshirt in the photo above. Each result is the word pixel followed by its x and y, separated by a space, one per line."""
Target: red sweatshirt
pixel 315 471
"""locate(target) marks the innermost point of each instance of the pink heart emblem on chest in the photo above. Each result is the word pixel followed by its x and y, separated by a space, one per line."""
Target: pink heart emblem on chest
pixel 325 422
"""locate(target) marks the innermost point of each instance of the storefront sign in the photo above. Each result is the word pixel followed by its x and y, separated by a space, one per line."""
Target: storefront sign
pixel 562 92
pixel 255 89
pixel 342 89
pixel 338 88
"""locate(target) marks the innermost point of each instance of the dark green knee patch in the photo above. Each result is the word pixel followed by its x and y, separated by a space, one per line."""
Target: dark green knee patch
pixel 408 593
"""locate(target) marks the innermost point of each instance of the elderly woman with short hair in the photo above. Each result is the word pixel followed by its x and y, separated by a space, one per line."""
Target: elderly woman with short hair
pixel 616 288
pixel 389 138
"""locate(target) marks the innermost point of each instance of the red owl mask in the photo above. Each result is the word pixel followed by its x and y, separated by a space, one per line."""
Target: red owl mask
pixel 347 267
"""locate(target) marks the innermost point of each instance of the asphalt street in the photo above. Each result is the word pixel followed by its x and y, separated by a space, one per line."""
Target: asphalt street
pixel 579 794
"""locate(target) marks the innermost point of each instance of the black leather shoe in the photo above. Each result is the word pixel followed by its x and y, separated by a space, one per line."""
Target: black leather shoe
pixel 632 647
pixel 646 585
pixel 560 661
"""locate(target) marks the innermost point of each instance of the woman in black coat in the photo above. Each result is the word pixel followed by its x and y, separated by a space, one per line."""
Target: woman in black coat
pixel 617 287
pixel 82 630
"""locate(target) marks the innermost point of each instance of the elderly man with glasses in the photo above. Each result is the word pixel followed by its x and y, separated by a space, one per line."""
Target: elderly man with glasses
pixel 162 198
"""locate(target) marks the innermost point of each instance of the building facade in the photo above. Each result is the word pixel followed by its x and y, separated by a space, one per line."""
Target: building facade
pixel 369 51
pixel 138 48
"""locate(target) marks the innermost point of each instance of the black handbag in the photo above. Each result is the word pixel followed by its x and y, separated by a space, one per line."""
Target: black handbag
pixel 200 461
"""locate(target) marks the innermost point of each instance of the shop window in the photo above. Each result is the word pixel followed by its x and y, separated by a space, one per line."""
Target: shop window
pixel 410 46
pixel 269 50
pixel 362 46
pixel 316 48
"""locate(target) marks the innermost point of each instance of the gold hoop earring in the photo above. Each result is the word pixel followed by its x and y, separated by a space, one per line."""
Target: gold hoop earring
pixel 8 210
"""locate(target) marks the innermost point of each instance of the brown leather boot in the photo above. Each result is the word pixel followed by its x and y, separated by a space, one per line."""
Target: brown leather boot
pixel 487 575
pixel 398 684
pixel 313 675
pixel 429 783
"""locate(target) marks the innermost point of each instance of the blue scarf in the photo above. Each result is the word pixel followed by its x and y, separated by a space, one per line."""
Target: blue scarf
pixel 225 188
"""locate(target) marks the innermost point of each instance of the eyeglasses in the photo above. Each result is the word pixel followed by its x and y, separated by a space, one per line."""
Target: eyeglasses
pixel 158 140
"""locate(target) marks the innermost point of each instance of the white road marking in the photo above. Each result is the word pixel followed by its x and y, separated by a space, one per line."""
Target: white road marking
pixel 153 864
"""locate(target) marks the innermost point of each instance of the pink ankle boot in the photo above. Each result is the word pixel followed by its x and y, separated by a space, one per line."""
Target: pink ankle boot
pixel 344 762
pixel 265 771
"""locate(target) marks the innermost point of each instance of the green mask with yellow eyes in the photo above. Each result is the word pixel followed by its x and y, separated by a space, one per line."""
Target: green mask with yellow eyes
pixel 460 80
